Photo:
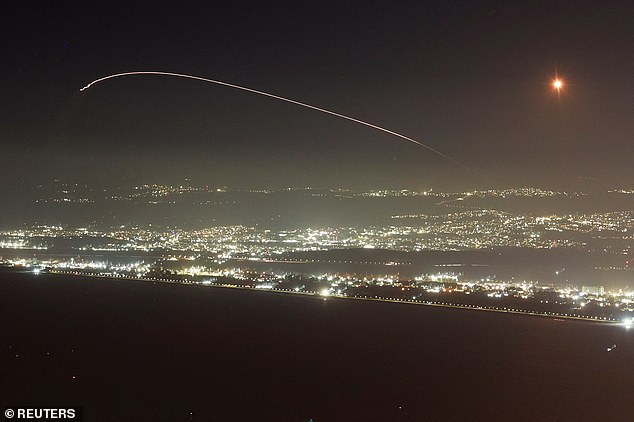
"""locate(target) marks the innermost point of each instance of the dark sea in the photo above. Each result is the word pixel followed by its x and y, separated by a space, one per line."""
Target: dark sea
pixel 140 351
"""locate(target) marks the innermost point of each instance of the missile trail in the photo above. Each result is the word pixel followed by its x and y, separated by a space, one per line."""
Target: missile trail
pixel 288 100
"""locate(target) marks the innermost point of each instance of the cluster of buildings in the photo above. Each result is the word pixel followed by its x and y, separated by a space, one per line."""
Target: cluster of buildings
pixel 610 232
pixel 139 251
pixel 441 288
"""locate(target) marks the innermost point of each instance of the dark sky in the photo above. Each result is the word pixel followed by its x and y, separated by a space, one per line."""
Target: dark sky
pixel 468 78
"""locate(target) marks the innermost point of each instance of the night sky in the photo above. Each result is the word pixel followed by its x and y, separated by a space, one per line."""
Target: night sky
pixel 468 78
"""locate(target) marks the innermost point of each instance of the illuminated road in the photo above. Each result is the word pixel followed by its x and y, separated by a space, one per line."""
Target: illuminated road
pixel 317 295
pixel 320 261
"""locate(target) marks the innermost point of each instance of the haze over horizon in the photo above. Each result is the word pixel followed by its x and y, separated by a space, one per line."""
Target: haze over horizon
pixel 317 211
pixel 471 81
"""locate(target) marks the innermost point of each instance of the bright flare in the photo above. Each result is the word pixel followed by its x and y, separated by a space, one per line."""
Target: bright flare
pixel 558 84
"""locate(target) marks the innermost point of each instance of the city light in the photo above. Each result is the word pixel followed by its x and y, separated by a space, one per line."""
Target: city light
pixel 207 256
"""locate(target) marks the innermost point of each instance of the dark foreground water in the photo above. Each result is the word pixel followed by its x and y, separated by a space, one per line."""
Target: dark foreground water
pixel 130 351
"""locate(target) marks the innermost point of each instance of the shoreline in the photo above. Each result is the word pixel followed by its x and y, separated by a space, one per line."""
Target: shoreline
pixel 317 295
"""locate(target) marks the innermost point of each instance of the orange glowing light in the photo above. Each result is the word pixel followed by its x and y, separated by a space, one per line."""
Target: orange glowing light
pixel 558 84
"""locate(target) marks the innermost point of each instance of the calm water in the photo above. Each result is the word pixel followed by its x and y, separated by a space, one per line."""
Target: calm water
pixel 144 351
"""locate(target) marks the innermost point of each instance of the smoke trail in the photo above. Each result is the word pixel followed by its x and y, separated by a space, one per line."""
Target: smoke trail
pixel 288 100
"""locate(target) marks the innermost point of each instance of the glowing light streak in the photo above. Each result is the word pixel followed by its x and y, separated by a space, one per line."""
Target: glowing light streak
pixel 277 97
